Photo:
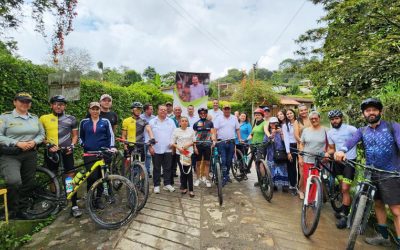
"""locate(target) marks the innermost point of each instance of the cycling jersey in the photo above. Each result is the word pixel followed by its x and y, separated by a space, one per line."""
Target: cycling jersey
pixel 339 136
pixel 59 128
pixel 135 128
pixel 203 130
pixel 381 146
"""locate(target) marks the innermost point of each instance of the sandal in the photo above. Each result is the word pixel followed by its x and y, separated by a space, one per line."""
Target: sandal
pixel 184 191
pixel 191 194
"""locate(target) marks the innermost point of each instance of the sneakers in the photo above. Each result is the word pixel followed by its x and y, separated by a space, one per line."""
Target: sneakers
pixel 169 188
pixel 76 212
pixel 377 240
pixel 157 190
pixel 208 183
pixel 196 183
pixel 203 179
pixel 342 222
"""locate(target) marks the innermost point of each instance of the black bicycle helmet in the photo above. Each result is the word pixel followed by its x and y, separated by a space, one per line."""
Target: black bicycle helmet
pixel 202 110
pixel 371 102
pixel 137 105
pixel 58 98
pixel 335 113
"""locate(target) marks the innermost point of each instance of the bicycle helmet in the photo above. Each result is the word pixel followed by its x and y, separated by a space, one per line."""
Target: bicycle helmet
pixel 259 111
pixel 371 102
pixel 335 113
pixel 58 98
pixel 202 110
pixel 137 105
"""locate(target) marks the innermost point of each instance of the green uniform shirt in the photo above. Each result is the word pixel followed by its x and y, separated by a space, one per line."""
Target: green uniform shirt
pixel 15 128
pixel 258 133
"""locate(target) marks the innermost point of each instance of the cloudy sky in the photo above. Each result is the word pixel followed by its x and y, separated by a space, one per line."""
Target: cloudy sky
pixel 191 35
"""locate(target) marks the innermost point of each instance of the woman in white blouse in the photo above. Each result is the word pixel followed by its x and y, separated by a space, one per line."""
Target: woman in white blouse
pixel 291 146
pixel 182 139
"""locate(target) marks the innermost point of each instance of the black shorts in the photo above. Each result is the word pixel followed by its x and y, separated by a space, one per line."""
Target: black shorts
pixel 343 172
pixel 388 189
pixel 204 152
pixel 68 161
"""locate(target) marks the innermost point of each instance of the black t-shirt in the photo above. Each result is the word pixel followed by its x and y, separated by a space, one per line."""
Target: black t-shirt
pixel 111 116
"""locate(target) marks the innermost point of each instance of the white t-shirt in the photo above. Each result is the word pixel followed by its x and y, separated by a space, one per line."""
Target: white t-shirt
pixel 162 131
pixel 226 127
pixel 339 136
pixel 215 114
pixel 183 137
pixel 193 120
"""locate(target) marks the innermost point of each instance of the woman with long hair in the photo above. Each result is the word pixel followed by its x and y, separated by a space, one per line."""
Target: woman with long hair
pixel 291 149
pixel 245 131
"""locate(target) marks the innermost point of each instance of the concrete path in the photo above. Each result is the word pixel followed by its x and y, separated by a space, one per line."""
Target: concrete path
pixel 174 221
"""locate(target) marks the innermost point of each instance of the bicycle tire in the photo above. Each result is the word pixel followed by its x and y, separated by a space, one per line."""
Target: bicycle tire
pixel 129 200
pixel 316 207
pixel 141 182
pixel 43 201
pixel 356 225
pixel 265 182
pixel 335 195
pixel 219 183
pixel 238 166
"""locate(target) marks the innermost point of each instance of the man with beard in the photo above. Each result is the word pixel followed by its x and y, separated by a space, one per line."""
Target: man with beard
pixel 337 137
pixel 381 141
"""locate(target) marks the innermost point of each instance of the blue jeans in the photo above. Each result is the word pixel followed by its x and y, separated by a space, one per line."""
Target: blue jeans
pixel 226 151
pixel 147 161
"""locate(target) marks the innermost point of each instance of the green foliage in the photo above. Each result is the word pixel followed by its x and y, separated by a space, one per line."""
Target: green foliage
pixel 168 79
pixel 130 77
pixel 236 106
pixel 150 73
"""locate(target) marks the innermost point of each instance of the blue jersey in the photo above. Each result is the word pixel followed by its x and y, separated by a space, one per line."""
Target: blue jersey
pixel 381 145
pixel 94 138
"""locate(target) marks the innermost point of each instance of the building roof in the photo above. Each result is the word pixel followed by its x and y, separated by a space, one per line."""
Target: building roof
pixel 284 100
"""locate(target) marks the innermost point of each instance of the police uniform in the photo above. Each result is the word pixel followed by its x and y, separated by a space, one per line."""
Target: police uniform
pixel 19 168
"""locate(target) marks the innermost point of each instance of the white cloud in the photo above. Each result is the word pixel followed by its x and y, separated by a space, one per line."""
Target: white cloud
pixel 198 35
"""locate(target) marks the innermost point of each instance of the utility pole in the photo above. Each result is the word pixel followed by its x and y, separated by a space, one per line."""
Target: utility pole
pixel 253 82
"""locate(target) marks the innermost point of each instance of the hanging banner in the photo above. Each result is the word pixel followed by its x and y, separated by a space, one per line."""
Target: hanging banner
pixel 191 89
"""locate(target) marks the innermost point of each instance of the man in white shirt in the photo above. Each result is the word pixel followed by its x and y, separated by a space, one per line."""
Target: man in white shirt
pixel 193 118
pixel 197 89
pixel 163 128
pixel 215 111
pixel 226 127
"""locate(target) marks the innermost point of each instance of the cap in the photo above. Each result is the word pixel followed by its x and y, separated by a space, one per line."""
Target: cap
pixel 168 103
pixel 273 120
pixel 104 96
pixel 226 105
pixel 266 109
pixel 94 104
pixel 23 96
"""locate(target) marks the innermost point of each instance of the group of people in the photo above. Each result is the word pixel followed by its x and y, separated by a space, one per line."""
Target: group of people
pixel 185 142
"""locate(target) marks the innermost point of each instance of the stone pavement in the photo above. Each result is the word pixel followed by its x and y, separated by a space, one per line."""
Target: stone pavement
pixel 174 221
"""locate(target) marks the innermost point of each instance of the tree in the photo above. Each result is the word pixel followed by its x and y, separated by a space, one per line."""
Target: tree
pixel 360 52
pixel 168 79
pixel 130 77
pixel 150 73
pixel 63 10
pixel 74 59
pixel 113 75
pixel 263 74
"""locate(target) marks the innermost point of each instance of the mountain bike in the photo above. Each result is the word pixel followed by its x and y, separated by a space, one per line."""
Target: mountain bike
pixel 241 164
pixel 134 169
pixel 364 199
pixel 115 192
pixel 321 186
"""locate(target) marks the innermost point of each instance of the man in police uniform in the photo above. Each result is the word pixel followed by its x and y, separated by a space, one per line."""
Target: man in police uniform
pixel 20 133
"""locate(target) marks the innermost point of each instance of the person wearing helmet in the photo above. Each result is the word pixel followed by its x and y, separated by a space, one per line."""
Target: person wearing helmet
pixel 260 127
pixel 337 137
pixel 134 128
pixel 204 130
pixel 61 132
pixel 381 140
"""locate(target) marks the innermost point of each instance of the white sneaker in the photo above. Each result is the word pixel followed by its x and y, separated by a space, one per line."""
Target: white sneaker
pixel 196 183
pixel 169 188
pixel 203 179
pixel 208 183
pixel 156 190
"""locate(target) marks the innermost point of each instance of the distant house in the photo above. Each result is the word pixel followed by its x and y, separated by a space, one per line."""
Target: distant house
pixel 286 102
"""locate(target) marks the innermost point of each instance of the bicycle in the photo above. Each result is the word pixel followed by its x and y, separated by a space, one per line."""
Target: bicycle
pixel 363 200
pixel 321 185
pixel 113 190
pixel 241 164
pixel 134 169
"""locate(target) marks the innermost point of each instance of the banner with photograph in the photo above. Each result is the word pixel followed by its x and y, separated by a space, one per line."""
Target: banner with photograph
pixel 191 89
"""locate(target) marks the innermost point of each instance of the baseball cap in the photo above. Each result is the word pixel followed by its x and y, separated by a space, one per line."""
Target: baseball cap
pixel 104 96
pixel 273 120
pixel 94 104
pixel 23 96
pixel 168 103
pixel 226 105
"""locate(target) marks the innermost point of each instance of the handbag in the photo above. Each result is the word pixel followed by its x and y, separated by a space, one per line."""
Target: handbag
pixel 280 155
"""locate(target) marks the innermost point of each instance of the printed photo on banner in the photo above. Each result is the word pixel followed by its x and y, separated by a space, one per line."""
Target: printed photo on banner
pixel 191 89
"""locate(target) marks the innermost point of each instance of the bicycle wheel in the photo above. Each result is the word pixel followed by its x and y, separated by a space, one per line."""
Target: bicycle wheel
pixel 312 205
pixel 140 178
pixel 45 197
pixel 335 194
pixel 120 204
pixel 218 181
pixel 356 224
pixel 238 166
pixel 265 180
pixel 117 164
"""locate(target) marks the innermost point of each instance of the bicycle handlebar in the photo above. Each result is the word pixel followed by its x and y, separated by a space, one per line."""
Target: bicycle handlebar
pixel 129 143
pixel 372 168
